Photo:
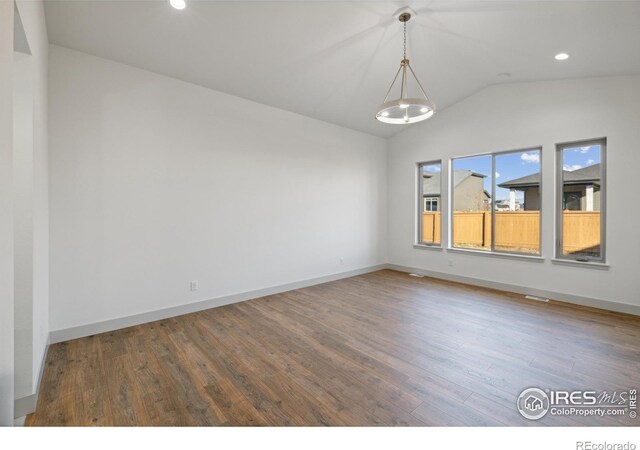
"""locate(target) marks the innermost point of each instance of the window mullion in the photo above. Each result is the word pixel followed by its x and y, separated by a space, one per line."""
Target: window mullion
pixel 492 203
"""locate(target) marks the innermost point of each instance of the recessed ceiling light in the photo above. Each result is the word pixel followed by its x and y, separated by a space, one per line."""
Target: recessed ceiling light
pixel 178 4
pixel 562 56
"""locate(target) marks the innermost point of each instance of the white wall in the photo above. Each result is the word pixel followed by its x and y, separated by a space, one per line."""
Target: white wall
pixel 23 182
pixel 6 214
pixel 33 20
pixel 155 182
pixel 525 115
pixel 30 192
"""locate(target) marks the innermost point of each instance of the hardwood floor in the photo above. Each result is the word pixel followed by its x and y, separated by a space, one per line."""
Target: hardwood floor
pixel 377 349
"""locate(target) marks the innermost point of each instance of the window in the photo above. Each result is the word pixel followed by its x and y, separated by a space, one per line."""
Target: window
pixel 471 200
pixel 430 204
pixel 429 217
pixel 580 201
pixel 496 202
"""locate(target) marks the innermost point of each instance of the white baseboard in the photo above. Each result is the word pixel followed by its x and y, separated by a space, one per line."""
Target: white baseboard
pixel 27 404
pixel 568 298
pixel 19 421
pixel 68 334
pixel 24 405
pixel 151 316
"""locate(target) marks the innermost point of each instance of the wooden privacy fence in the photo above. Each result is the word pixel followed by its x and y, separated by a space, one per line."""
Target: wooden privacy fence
pixel 515 230
pixel 581 232
pixel 472 229
pixel 431 227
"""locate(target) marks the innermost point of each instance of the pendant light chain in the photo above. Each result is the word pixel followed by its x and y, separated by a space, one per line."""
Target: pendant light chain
pixel 403 85
pixel 405 40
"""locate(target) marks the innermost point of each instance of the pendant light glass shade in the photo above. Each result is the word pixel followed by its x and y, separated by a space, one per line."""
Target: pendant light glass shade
pixel 405 109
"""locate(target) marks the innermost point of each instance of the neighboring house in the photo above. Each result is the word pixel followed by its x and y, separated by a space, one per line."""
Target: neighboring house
pixel 581 190
pixel 468 192
pixel 505 205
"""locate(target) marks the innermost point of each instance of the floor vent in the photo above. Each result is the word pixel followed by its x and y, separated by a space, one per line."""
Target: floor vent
pixel 536 298
pixel 417 275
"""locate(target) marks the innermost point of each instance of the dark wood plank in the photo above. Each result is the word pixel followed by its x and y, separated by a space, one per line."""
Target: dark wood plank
pixel 381 349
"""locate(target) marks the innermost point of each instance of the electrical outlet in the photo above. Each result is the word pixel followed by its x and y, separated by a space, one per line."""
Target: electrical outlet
pixel 193 285
pixel 451 263
pixel 341 260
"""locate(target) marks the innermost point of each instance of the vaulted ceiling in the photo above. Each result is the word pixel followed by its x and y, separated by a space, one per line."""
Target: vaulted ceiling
pixel 335 60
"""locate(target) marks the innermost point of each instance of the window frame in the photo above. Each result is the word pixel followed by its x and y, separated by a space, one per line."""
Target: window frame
pixel 559 197
pixel 451 191
pixel 432 201
pixel 420 208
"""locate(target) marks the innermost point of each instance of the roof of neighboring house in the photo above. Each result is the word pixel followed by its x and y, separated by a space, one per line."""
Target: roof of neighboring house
pixel 591 173
pixel 585 175
pixel 431 182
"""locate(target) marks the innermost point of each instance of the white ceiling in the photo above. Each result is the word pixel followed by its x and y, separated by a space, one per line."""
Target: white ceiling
pixel 334 61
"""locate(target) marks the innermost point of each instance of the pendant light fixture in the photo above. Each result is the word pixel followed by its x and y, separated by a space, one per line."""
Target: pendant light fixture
pixel 406 109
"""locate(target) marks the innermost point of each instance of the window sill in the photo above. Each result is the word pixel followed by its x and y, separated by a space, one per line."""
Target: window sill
pixel 428 247
pixel 532 258
pixel 589 264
